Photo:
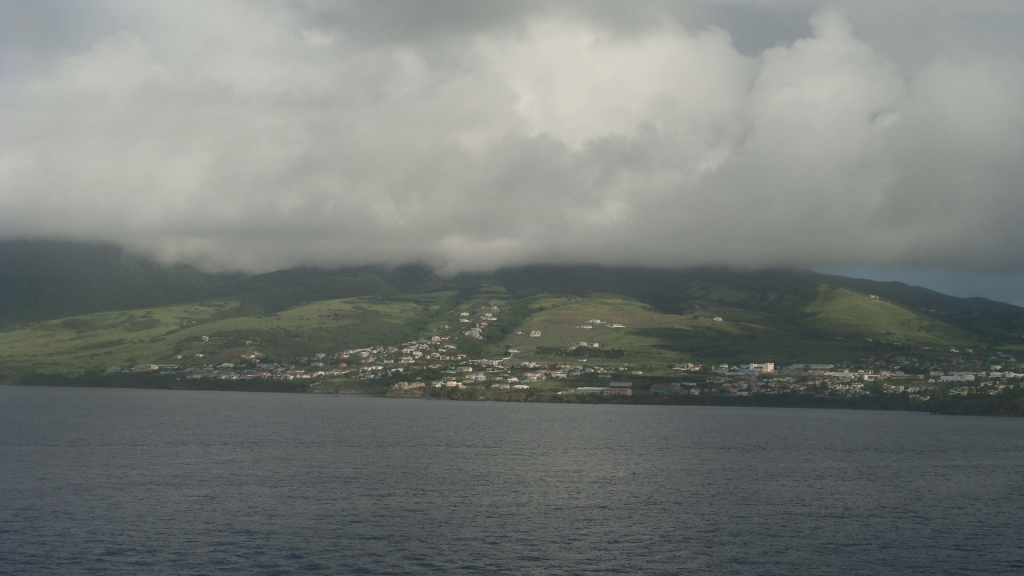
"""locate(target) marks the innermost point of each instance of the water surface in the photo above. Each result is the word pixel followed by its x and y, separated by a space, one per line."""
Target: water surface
pixel 98 481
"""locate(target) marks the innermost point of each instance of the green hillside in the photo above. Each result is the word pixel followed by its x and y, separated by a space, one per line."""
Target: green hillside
pixel 71 308
pixel 175 334
pixel 837 325
pixel 842 311
pixel 602 329
pixel 49 279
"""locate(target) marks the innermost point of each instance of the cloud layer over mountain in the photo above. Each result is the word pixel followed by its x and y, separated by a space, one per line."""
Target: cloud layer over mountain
pixel 258 135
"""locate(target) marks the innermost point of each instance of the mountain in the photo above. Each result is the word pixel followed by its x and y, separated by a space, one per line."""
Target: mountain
pixel 53 279
pixel 69 306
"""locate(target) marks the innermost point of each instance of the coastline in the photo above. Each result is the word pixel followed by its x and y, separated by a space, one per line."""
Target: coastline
pixel 1005 405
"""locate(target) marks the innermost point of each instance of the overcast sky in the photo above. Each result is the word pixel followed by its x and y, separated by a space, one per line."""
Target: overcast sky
pixel 852 135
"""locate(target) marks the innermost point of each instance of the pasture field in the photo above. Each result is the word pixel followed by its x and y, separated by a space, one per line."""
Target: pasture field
pixel 565 321
pixel 838 324
pixel 843 311
pixel 160 335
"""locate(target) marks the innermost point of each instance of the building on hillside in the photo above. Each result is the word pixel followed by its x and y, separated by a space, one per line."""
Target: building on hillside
pixel 665 388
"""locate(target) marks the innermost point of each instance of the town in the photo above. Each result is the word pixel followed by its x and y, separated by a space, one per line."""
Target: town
pixel 435 365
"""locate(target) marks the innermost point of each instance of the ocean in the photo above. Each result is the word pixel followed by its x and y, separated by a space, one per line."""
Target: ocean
pixel 116 481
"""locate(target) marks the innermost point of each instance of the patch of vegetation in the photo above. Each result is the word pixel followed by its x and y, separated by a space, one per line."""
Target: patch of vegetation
pixel 142 324
pixel 102 345
pixel 753 344
pixel 160 335
pixel 841 311
pixel 581 352
pixel 76 324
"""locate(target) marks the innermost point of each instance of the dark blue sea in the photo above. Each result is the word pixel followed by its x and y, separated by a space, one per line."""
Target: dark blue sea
pixel 100 481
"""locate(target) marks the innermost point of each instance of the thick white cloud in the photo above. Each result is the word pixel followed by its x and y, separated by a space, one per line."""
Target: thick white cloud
pixel 258 135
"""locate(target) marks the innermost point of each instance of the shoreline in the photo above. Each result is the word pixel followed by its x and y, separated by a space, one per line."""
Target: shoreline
pixel 1002 405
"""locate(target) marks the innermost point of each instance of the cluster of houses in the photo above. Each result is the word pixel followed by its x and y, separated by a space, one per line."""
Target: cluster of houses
pixel 437 362
pixel 435 356
pixel 829 380
pixel 371 362
pixel 482 321
pixel 224 371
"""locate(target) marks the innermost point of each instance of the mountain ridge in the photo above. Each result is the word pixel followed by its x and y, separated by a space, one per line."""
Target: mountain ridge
pixel 102 305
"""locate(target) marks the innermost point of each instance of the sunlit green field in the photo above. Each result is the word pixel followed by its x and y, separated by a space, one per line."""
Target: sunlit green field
pixel 838 324
pixel 839 310
pixel 161 335
pixel 564 321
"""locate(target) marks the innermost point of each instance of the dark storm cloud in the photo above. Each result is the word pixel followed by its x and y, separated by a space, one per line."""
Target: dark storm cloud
pixel 469 135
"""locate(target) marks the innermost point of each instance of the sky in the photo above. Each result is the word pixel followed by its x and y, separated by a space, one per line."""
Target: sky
pixel 868 137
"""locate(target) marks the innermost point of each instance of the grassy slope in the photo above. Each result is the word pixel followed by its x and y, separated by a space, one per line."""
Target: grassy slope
pixel 836 325
pixel 50 279
pixel 158 335
pixel 42 280
pixel 997 323
pixel 558 319
pixel 841 311
pixel 784 316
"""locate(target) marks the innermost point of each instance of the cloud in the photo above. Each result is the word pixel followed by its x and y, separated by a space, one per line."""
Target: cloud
pixel 256 135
